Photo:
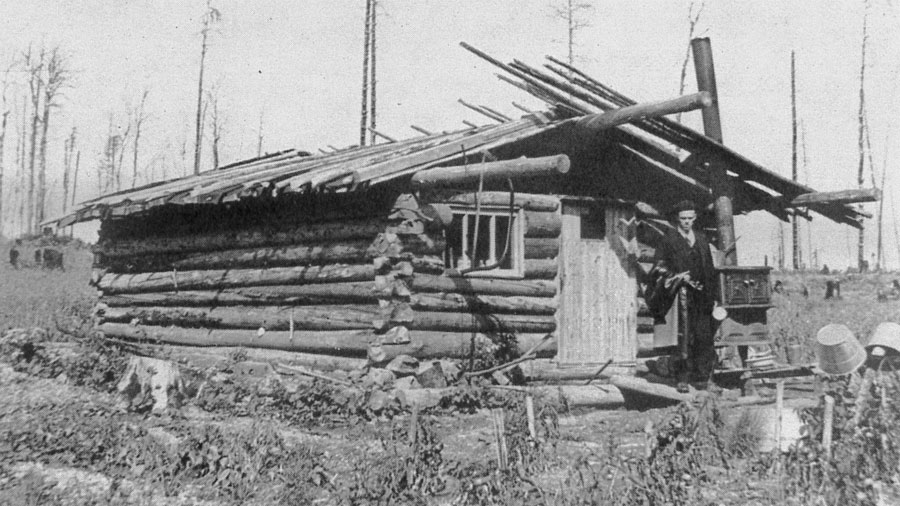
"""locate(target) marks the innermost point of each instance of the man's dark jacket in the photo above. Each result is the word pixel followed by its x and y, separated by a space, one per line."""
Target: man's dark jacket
pixel 673 256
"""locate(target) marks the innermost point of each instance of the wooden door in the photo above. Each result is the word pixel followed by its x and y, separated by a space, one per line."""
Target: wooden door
pixel 597 316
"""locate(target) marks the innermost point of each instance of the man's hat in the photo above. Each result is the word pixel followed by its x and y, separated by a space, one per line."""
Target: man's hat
pixel 684 205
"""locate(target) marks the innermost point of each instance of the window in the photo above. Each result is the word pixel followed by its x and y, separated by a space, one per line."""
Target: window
pixel 593 223
pixel 492 242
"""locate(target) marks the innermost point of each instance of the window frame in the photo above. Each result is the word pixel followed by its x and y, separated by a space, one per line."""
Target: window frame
pixel 516 247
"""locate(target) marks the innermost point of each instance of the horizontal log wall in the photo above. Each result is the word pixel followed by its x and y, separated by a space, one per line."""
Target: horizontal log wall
pixel 460 305
pixel 348 287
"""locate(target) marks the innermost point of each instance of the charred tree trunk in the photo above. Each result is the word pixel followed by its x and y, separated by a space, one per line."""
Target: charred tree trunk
pixel 211 15
pixel 795 224
pixel 42 175
pixel 138 125
pixel 861 246
pixel 364 114
pixel 67 168
pixel 20 190
pixel 75 186
pixel 35 87
pixel 373 76
pixel 2 161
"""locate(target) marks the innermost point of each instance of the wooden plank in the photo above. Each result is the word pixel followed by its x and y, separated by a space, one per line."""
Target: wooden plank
pixel 597 306
pixel 663 393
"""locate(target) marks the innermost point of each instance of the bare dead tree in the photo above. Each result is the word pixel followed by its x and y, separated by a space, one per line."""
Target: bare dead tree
pixel 878 247
pixel 367 38
pixel 373 81
pixel 4 114
pixel 217 123
pixel 55 78
pixel 68 159
pixel 34 64
pixel 809 240
pixel 259 135
pixel 896 231
pixel 122 140
pixel 780 254
pixel 21 149
pixel 795 223
pixel 109 167
pixel 75 186
pixel 861 256
pixel 573 13
pixel 880 244
pixel 138 117
pixel 211 16
pixel 693 19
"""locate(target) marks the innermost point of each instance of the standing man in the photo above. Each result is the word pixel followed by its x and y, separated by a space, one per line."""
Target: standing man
pixel 685 258
pixel 14 254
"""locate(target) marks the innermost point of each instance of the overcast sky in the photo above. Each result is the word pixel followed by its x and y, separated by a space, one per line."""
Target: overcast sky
pixel 298 64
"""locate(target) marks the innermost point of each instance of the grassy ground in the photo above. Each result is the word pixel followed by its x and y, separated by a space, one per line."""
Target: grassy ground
pixel 67 438
pixel 796 319
pixel 32 297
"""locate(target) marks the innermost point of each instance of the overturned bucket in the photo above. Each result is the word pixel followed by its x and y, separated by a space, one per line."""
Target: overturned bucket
pixel 837 350
pixel 885 340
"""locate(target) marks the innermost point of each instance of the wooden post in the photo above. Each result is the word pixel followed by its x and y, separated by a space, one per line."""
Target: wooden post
pixel 529 411
pixel 827 424
pixel 497 417
pixel 779 407
pixel 723 192
pixel 413 443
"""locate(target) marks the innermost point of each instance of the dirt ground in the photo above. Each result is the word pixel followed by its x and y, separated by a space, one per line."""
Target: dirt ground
pixel 67 437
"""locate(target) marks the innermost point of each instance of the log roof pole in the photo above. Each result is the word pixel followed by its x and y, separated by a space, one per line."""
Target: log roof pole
pixel 722 187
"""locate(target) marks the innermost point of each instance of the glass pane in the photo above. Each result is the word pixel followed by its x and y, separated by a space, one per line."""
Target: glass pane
pixel 504 242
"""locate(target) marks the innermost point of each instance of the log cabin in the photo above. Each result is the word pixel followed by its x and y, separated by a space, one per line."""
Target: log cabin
pixel 532 233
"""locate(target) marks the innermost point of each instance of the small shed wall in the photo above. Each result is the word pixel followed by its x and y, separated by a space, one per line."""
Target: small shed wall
pixel 598 300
